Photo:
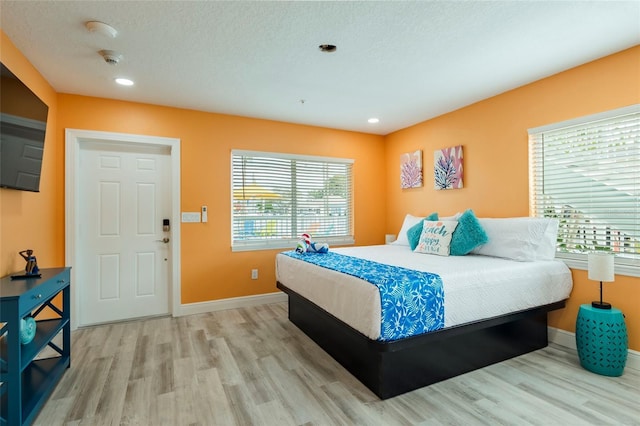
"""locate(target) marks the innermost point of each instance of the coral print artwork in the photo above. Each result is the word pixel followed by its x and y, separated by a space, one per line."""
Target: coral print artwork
pixel 411 170
pixel 447 168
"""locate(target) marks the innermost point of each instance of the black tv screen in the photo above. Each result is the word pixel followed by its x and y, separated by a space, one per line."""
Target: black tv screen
pixel 23 123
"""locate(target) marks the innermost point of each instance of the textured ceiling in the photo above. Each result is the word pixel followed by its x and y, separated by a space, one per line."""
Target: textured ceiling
pixel 403 62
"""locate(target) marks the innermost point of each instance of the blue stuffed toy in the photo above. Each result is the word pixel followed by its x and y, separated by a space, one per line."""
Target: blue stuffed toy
pixel 305 245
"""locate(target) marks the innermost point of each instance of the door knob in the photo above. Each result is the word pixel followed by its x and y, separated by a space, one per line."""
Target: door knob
pixel 164 240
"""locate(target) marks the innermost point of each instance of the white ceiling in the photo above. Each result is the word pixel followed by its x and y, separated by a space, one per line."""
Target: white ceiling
pixel 403 62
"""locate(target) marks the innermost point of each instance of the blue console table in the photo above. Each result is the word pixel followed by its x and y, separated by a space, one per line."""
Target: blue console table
pixel 28 377
pixel 602 340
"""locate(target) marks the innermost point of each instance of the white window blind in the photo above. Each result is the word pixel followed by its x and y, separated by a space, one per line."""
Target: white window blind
pixel 586 173
pixel 278 197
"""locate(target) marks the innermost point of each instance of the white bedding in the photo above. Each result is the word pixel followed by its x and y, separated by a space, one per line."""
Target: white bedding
pixel 475 287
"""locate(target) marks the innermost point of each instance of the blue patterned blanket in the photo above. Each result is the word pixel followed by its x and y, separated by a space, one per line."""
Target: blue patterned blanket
pixel 412 301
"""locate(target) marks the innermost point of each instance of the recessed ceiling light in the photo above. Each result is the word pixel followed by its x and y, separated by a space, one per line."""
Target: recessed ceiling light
pixel 124 81
pixel 373 120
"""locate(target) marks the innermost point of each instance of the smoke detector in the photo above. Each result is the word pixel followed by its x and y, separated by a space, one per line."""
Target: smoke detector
pixel 110 56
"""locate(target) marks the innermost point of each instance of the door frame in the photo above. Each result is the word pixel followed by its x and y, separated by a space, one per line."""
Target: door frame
pixel 75 139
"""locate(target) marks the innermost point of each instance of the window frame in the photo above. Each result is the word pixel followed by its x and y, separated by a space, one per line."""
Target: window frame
pixel 280 243
pixel 629 266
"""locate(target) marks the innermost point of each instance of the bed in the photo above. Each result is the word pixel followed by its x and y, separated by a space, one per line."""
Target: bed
pixel 495 308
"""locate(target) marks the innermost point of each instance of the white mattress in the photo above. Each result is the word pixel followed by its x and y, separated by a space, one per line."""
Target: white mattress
pixel 475 287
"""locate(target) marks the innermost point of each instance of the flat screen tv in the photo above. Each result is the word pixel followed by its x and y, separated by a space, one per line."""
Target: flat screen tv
pixel 23 123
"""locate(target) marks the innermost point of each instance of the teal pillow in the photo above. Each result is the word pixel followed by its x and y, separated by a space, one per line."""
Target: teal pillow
pixel 413 233
pixel 468 235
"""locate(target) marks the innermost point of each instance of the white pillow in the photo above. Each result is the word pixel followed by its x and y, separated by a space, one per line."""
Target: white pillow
pixel 520 238
pixel 436 237
pixel 409 221
pixel 454 217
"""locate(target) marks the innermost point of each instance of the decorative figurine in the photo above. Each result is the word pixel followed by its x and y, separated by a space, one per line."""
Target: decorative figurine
pixel 27 330
pixel 32 263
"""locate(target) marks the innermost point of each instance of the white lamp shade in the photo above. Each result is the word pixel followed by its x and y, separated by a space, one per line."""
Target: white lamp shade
pixel 600 267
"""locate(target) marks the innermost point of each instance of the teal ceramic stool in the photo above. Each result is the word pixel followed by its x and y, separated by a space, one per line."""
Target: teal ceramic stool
pixel 601 339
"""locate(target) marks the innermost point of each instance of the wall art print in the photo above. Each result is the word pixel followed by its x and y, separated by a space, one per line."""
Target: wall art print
pixel 411 170
pixel 447 168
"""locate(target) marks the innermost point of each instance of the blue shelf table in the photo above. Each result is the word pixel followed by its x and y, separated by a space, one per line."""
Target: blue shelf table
pixel 602 340
pixel 28 376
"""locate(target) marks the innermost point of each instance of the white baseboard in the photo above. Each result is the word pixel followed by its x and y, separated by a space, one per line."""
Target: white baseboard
pixel 568 340
pixel 231 303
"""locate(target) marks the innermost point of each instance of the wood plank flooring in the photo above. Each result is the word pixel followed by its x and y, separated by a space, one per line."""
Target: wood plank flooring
pixel 253 367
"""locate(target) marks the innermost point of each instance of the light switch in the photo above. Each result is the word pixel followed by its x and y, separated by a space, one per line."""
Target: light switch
pixel 190 217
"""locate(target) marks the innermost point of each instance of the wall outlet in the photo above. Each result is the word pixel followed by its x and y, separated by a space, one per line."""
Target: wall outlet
pixel 254 274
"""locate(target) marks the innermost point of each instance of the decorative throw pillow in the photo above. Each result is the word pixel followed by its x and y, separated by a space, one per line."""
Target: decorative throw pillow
pixel 413 233
pixel 468 235
pixel 436 237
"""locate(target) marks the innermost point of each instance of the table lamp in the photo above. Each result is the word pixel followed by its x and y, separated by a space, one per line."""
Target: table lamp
pixel 600 266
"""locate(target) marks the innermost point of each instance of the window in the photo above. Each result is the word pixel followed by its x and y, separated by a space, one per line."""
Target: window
pixel 278 197
pixel 586 173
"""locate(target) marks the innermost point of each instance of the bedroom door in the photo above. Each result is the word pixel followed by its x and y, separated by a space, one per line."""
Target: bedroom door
pixel 123 265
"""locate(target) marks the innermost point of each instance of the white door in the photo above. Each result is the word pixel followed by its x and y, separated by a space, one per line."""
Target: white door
pixel 123 266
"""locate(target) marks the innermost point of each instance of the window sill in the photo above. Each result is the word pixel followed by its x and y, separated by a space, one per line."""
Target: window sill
pixel 286 244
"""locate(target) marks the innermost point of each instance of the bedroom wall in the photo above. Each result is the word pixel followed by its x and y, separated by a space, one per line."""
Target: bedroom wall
pixel 210 270
pixel 28 219
pixel 493 133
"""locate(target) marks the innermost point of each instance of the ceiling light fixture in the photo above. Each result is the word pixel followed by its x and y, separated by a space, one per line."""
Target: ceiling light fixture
pixel 101 28
pixel 329 48
pixel 124 81
pixel 373 120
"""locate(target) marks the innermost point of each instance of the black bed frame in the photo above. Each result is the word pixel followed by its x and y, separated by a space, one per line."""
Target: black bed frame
pixel 392 368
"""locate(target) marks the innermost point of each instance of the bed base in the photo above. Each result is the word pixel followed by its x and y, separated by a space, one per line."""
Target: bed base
pixel 389 369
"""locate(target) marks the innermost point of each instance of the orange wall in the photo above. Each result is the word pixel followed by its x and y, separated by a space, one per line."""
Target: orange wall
pixel 209 269
pixel 494 136
pixel 27 219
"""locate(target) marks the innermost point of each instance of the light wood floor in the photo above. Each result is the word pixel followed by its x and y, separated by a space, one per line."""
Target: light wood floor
pixel 253 367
